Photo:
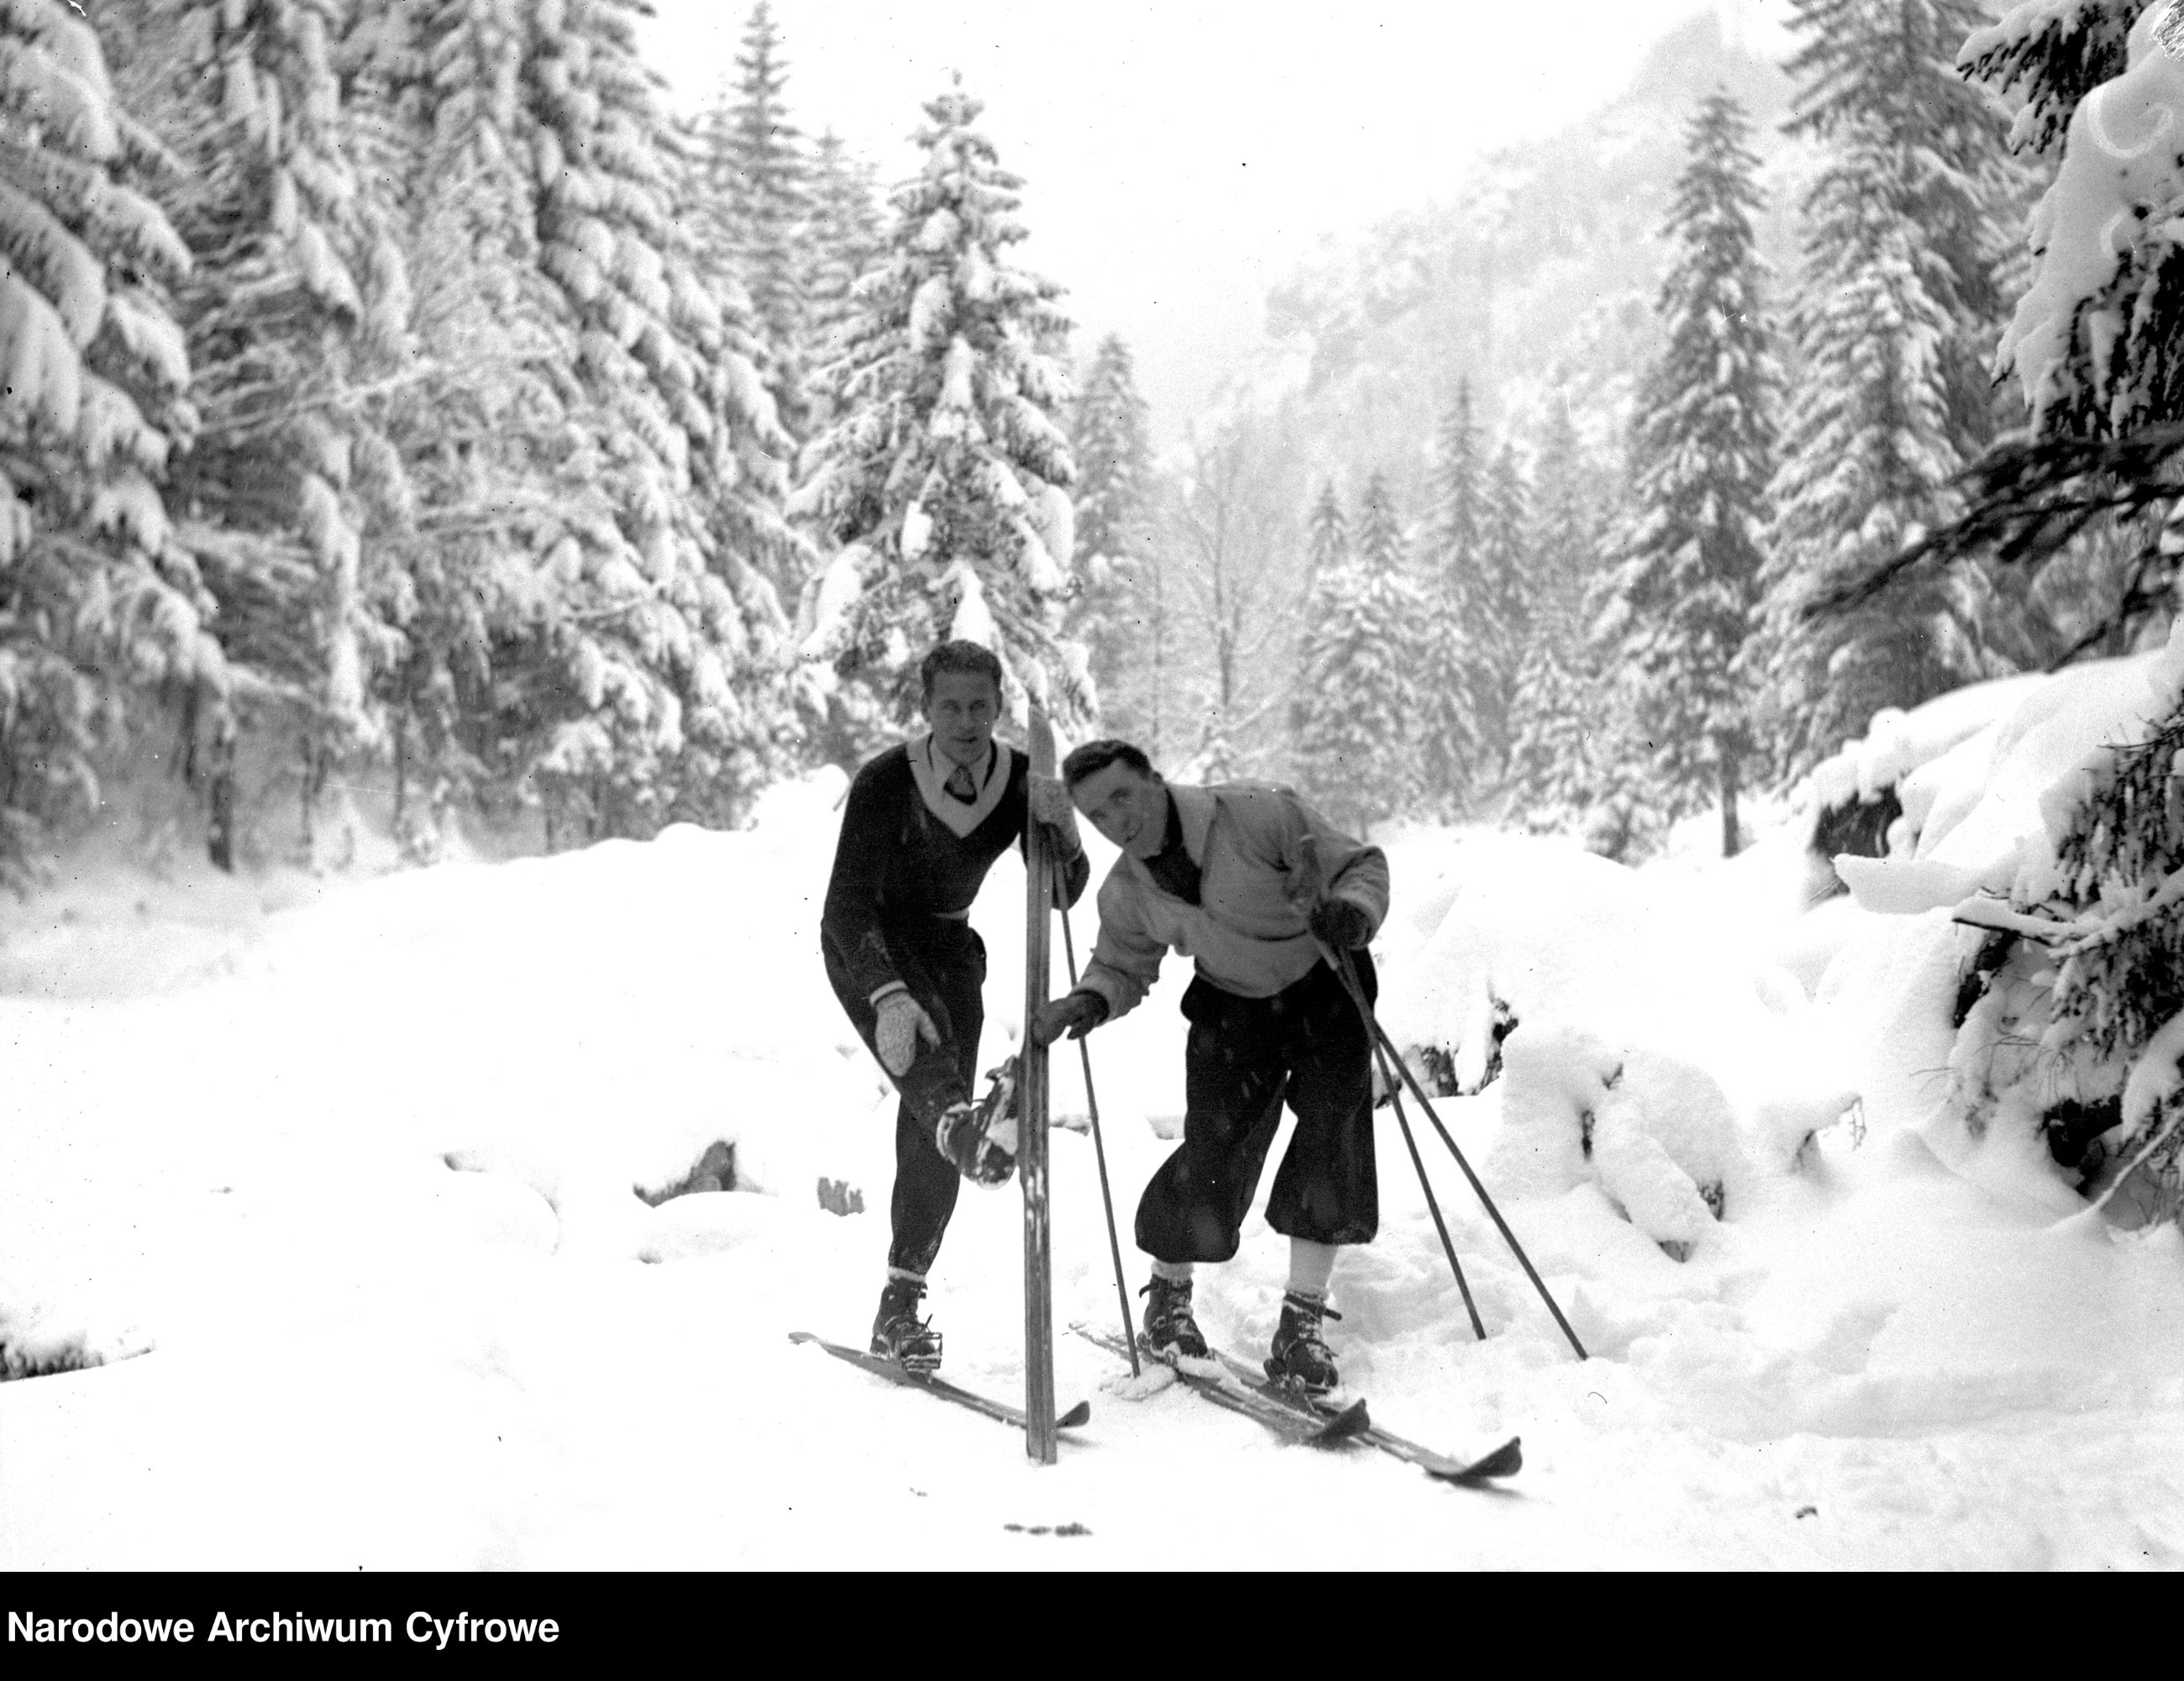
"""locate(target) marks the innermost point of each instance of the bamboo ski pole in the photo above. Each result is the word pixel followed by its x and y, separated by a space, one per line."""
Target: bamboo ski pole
pixel 1348 970
pixel 1099 1148
pixel 1314 887
pixel 1508 1236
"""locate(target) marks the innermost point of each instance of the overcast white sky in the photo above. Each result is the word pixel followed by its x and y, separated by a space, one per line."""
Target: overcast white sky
pixel 1179 158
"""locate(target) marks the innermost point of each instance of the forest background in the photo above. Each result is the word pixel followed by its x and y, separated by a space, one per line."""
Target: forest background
pixel 413 426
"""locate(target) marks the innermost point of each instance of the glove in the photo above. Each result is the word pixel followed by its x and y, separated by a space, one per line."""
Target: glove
pixel 1049 803
pixel 980 1138
pixel 1340 925
pixel 1076 1013
pixel 903 1022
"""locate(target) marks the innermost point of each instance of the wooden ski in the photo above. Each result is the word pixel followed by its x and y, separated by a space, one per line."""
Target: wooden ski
pixel 894 1372
pixel 1031 1112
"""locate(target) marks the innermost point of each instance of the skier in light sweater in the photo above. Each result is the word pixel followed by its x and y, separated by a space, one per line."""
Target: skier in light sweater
pixel 923 823
pixel 1227 874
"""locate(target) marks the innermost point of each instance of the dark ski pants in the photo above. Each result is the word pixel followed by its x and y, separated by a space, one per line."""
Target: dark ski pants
pixel 942 961
pixel 1246 1056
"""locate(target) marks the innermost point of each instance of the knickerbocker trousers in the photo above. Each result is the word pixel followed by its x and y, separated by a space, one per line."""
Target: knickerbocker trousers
pixel 1245 1056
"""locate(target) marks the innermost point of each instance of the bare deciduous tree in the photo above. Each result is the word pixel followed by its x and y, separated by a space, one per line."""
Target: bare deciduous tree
pixel 1235 554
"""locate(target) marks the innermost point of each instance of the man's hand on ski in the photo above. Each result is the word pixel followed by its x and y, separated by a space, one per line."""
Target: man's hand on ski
pixel 1340 925
pixel 902 1021
pixel 1076 1014
pixel 980 1137
pixel 1049 800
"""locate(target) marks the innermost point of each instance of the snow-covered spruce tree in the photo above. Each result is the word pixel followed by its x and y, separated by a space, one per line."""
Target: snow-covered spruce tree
pixel 1566 538
pixel 2060 51
pixel 1327 533
pixel 1552 761
pixel 1327 553
pixel 1109 441
pixel 1555 757
pixel 1893 323
pixel 1355 715
pixel 844 238
pixel 2095 342
pixel 2071 1013
pixel 1702 452
pixel 1505 557
pixel 2084 507
pixel 486 581
pixel 755 174
pixel 98 602
pixel 1462 723
pixel 295 310
pixel 1574 507
pixel 673 619
pixel 945 478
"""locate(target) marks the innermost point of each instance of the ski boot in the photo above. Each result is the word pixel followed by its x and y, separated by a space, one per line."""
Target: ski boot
pixel 980 1138
pixel 899 1334
pixel 1299 1359
pixel 1169 1328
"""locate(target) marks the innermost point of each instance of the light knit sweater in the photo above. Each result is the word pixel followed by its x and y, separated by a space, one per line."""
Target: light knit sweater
pixel 1247 934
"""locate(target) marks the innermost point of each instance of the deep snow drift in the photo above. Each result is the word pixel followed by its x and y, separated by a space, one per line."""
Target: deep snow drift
pixel 363 1177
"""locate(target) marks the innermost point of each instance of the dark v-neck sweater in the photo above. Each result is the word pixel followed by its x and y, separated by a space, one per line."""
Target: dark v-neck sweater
pixel 898 862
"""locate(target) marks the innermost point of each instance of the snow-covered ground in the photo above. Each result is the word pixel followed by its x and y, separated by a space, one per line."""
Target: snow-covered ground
pixel 355 1169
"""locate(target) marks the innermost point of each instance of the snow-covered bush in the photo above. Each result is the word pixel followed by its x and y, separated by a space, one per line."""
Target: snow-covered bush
pixel 2055 836
pixel 1625 1051
pixel 1653 1132
pixel 1872 797
pixel 2079 984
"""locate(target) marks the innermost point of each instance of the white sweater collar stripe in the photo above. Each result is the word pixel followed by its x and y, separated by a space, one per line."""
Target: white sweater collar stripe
pixel 932 770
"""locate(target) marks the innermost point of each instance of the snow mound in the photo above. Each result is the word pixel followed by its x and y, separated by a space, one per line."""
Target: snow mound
pixel 1577 968
pixel 1654 1133
pixel 1979 772
pixel 1898 742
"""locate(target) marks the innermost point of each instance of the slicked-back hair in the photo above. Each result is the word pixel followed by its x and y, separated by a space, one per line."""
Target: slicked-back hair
pixel 1096 756
pixel 958 656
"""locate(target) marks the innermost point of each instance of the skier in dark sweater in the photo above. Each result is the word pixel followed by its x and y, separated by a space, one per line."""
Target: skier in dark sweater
pixel 1257 887
pixel 923 823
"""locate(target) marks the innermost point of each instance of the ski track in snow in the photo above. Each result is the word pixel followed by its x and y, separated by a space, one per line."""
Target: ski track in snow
pixel 348 1208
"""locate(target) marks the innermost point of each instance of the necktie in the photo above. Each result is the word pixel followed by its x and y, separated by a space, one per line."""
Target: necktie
pixel 961 786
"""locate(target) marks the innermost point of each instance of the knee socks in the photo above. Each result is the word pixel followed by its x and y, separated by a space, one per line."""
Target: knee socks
pixel 1311 1266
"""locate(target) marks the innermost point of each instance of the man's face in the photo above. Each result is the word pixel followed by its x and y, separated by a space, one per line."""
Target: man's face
pixel 960 711
pixel 1129 808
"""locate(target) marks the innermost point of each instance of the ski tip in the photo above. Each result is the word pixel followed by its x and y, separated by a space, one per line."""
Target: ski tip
pixel 803 1337
pixel 1353 1421
pixel 1079 1414
pixel 1505 1461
